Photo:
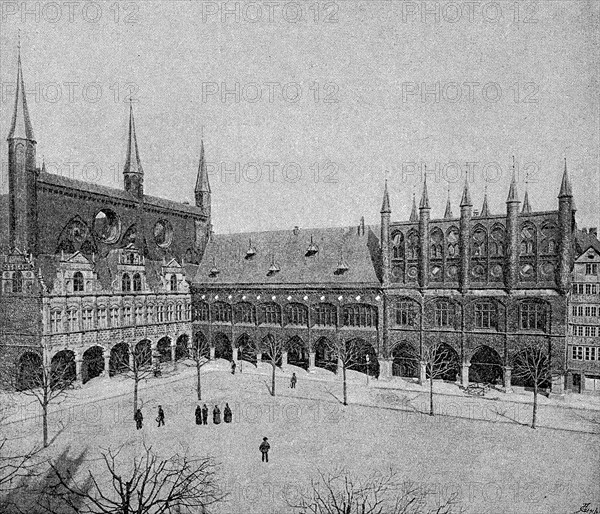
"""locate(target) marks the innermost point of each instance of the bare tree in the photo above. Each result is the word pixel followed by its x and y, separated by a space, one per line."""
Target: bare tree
pixel 533 365
pixel 137 366
pixel 341 493
pixel 272 348
pixel 349 355
pixel 48 384
pixel 148 485
pixel 439 362
pixel 200 353
pixel 14 466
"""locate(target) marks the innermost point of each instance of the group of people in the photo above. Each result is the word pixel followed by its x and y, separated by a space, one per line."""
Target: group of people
pixel 202 414
pixel 139 418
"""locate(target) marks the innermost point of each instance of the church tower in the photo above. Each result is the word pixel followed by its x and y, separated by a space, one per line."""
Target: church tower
pixel 133 172
pixel 22 173
pixel 202 190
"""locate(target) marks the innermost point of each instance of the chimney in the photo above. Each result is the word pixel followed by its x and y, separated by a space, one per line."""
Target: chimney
pixel 475 213
pixel 594 232
pixel 361 227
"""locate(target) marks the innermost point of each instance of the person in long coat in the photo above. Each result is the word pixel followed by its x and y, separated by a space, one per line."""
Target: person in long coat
pixel 139 418
pixel 227 415
pixel 216 415
pixel 204 414
pixel 198 413
pixel 264 449
pixel 161 416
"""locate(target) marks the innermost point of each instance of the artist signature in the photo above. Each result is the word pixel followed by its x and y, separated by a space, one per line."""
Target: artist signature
pixel 588 509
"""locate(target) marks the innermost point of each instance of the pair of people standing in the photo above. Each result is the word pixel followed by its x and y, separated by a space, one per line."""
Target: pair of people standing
pixel 139 418
pixel 202 415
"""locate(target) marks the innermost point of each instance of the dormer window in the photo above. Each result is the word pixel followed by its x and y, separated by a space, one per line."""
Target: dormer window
pixel 273 268
pixel 251 252
pixel 342 266
pixel 312 248
pixel 214 271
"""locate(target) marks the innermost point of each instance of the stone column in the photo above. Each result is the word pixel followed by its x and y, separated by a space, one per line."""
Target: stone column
pixel 235 354
pixel 173 351
pixel 385 369
pixel 106 372
pixel 284 358
pixel 78 365
pixel 258 358
pixel 465 374
pixel 311 361
pixel 422 372
pixel 212 353
pixel 507 379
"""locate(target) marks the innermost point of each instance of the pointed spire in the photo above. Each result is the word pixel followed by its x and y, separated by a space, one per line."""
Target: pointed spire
pixel 448 212
pixel 565 187
pixel 485 209
pixel 132 159
pixel 20 126
pixel 43 165
pixel 385 206
pixel 424 197
pixel 513 196
pixel 526 205
pixel 465 201
pixel 413 214
pixel 202 183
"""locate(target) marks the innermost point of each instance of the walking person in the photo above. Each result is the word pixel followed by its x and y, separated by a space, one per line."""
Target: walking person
pixel 293 381
pixel 264 449
pixel 216 415
pixel 161 416
pixel 233 367
pixel 227 415
pixel 198 413
pixel 138 419
pixel 204 414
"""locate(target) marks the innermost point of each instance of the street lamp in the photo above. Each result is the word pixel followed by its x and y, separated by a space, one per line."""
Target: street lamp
pixel 367 359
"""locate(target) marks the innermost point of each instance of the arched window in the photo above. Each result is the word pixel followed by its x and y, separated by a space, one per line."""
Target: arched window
pixel 244 313
pixel 137 282
pixel 126 282
pixel 170 312
pixel 201 311
pixel 532 315
pixel 270 314
pixel 479 242
pixel 173 282
pixel 398 245
pixel 444 313
pixel 78 284
pixel 549 235
pixel 221 312
pixel 452 237
pixel 17 282
pixel 437 244
pixel 528 240
pixel 360 315
pixel 406 313
pixel 485 315
pixel 325 314
pixel 497 242
pixel 296 314
pixel 413 245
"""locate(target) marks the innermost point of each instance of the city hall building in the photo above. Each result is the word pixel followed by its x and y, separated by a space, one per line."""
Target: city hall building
pixel 90 273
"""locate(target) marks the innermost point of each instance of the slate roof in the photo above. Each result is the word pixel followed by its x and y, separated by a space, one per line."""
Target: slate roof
pixel 114 193
pixel 287 250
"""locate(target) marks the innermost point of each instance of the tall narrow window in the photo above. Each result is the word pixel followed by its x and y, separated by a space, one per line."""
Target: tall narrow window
pixel 126 283
pixel 17 282
pixel 137 282
pixel 78 284
pixel 173 282
pixel 444 314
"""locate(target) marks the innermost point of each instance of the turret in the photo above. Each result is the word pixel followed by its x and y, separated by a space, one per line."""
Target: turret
pixel 448 211
pixel 386 212
pixel 22 173
pixel 466 212
pixel 414 215
pixel 512 233
pixel 133 172
pixel 485 209
pixel 202 189
pixel 424 216
pixel 566 222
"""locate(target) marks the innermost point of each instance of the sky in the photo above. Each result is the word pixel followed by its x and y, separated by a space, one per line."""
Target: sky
pixel 306 107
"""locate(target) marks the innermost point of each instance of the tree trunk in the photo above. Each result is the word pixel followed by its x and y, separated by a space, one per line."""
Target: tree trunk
pixel 344 385
pixel 135 394
pixel 431 394
pixel 535 400
pixel 273 366
pixel 198 384
pixel 45 423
